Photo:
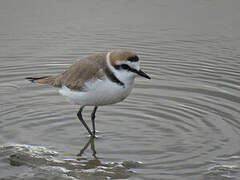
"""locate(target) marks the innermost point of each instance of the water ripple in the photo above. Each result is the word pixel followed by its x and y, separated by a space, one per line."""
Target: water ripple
pixel 182 124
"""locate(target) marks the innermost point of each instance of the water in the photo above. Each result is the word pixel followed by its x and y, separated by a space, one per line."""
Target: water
pixel 183 124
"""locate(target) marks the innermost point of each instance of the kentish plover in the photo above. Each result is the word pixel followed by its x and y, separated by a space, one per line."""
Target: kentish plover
pixel 97 80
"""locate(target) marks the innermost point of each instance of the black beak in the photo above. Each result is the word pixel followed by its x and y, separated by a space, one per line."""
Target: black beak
pixel 143 74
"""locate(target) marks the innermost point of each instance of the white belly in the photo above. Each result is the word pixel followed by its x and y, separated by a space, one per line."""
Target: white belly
pixel 97 93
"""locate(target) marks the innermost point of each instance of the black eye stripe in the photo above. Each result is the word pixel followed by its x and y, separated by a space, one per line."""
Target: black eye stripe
pixel 123 66
pixel 133 59
pixel 117 67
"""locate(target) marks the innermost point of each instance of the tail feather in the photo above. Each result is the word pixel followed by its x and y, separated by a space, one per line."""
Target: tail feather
pixel 33 79
pixel 50 80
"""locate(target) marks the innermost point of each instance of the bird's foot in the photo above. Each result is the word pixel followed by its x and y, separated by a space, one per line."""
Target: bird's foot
pixel 93 134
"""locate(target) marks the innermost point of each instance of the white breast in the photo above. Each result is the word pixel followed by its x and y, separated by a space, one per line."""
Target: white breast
pixel 98 92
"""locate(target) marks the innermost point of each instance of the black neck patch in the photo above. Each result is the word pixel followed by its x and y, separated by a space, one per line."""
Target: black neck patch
pixel 113 78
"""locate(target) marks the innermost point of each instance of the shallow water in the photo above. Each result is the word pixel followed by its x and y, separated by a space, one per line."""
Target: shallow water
pixel 182 124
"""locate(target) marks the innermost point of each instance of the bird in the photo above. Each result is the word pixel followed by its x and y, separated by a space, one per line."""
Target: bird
pixel 96 80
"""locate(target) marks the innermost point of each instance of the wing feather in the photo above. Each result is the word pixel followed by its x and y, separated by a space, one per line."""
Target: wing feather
pixel 87 69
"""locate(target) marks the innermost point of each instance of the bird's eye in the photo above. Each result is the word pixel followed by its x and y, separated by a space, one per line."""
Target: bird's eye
pixel 123 66
pixel 133 59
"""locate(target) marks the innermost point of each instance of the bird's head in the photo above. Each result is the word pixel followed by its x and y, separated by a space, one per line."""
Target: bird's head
pixel 126 62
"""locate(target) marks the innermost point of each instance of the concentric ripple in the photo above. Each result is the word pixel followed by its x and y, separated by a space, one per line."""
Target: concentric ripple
pixel 182 124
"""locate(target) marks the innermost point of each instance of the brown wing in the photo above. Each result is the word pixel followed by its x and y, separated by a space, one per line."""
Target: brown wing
pixel 88 68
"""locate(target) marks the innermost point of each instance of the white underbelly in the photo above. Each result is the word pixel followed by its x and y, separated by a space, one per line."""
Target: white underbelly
pixel 97 93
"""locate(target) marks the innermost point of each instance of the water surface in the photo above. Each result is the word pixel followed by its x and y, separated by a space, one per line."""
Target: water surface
pixel 182 124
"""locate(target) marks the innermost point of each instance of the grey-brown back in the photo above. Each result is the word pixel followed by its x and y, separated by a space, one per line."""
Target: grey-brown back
pixel 88 68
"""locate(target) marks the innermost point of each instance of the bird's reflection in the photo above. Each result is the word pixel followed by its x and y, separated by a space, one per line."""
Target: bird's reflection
pixel 92 162
pixel 90 142
pixel 99 169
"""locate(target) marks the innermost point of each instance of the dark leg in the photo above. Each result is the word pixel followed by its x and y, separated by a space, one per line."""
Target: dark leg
pixel 93 119
pixel 79 114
